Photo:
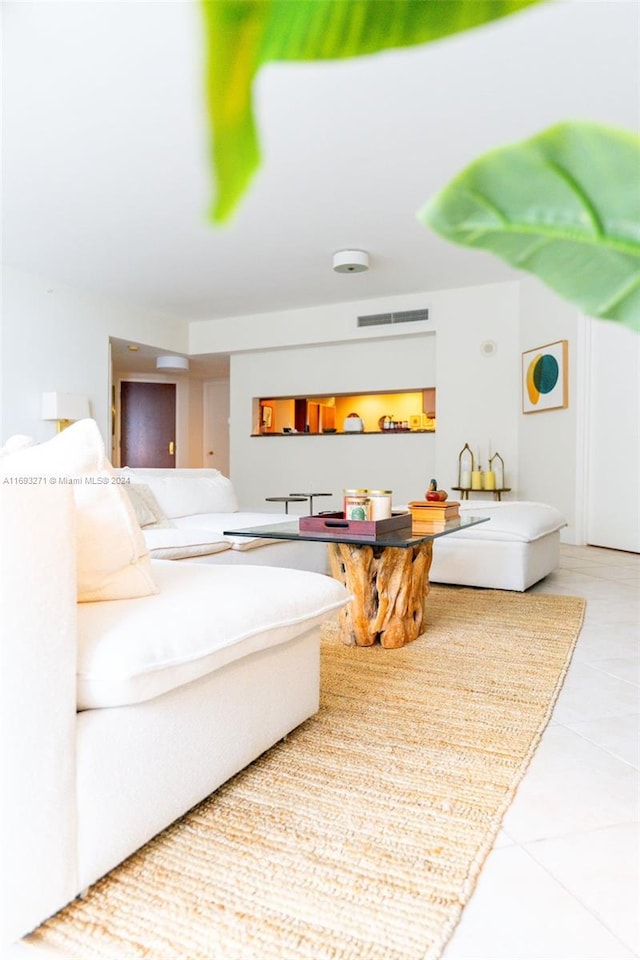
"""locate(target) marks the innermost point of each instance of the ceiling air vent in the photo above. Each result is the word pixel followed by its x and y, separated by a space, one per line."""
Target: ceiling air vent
pixel 400 316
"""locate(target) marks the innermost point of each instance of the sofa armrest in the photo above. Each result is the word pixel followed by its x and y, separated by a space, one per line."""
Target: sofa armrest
pixel 38 713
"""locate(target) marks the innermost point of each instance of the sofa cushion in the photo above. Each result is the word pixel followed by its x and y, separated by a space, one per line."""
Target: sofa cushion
pixel 219 522
pixel 182 493
pixel 519 520
pixel 172 544
pixel 203 618
pixel 111 556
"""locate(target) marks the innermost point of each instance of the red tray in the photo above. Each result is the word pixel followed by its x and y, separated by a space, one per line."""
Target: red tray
pixel 336 523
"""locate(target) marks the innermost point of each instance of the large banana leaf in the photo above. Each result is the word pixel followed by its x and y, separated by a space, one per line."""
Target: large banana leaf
pixel 565 206
pixel 242 35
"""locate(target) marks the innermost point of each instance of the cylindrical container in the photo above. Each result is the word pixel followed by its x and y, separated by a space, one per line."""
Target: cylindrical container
pixel 476 479
pixel 357 505
pixel 489 480
pixel 380 504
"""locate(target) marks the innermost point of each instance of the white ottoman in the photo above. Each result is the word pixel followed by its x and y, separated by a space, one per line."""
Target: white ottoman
pixel 518 546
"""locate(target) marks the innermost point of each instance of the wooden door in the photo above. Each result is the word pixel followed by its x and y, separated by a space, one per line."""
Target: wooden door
pixel 147 424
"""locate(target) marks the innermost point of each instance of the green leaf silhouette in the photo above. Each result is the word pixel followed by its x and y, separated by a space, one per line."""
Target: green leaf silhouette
pixel 242 35
pixel 565 206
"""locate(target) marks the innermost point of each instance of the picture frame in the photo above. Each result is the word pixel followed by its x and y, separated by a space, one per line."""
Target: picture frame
pixel 415 422
pixel 267 417
pixel 545 377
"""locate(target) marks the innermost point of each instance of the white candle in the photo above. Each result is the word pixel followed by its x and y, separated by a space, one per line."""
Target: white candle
pixel 465 479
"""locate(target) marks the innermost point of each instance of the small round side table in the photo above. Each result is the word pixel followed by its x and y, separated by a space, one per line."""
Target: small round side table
pixel 286 501
pixel 310 497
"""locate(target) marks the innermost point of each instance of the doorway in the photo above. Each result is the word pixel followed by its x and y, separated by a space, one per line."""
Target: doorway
pixel 613 462
pixel 147 424
pixel 216 425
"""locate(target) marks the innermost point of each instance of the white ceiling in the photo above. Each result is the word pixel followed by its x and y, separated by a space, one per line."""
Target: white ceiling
pixel 106 184
pixel 131 358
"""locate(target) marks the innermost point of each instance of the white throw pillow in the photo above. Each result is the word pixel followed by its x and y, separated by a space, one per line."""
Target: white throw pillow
pixel 112 559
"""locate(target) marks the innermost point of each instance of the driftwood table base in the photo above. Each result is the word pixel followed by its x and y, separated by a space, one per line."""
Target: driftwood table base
pixel 389 586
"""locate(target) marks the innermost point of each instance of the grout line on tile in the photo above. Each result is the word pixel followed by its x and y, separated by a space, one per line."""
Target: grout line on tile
pixel 595 743
pixel 574 896
pixel 594 665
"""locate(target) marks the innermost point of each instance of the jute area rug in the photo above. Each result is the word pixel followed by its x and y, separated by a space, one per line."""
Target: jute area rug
pixel 362 835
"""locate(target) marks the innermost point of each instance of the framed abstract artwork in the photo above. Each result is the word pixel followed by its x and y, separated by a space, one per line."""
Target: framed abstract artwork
pixel 545 377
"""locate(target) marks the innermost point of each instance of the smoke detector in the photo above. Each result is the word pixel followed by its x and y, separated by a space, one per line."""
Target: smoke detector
pixel 488 348
pixel 350 261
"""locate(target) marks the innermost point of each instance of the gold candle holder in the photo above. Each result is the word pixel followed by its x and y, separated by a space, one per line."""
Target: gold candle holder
pixel 466 464
pixel 499 477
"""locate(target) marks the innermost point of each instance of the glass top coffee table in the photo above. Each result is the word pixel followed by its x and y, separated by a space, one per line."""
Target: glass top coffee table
pixel 387 574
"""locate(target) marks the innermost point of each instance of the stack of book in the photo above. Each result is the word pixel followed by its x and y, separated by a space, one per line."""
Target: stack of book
pixel 430 516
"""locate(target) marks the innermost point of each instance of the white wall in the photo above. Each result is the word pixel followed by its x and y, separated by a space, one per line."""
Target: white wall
pixel 478 393
pixel 548 459
pixel 276 465
pixel 327 353
pixel 55 337
pixel 329 323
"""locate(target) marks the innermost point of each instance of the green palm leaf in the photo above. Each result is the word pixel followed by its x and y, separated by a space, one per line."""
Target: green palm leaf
pixel 242 35
pixel 565 206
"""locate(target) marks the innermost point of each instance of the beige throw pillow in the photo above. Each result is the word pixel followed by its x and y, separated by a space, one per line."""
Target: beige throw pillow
pixel 112 559
pixel 148 511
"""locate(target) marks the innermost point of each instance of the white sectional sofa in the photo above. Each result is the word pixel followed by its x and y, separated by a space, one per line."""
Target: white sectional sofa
pixel 183 514
pixel 131 688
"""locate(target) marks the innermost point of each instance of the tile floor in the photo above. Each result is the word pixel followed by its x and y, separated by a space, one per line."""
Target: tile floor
pixel 563 880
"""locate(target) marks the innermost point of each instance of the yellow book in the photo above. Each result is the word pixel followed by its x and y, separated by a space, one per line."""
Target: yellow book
pixel 432 526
